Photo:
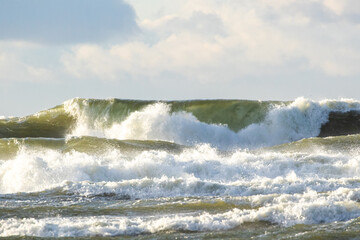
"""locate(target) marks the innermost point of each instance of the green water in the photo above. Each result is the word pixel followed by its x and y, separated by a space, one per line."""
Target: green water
pixel 200 169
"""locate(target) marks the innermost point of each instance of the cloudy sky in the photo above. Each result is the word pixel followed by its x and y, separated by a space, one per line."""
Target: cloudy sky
pixel 51 51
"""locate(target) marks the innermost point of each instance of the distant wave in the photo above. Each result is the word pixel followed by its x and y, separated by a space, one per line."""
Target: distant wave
pixel 221 123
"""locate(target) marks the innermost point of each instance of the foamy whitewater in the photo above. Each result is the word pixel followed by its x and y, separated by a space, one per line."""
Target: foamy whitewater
pixel 182 169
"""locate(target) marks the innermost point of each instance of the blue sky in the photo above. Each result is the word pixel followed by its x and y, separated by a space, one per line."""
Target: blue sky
pixel 65 21
pixel 51 51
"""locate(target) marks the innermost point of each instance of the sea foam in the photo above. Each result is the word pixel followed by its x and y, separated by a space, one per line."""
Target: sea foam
pixel 285 185
pixel 287 210
pixel 197 171
pixel 283 123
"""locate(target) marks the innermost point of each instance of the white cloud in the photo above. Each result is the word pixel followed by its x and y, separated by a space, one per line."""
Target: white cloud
pixel 343 7
pixel 17 71
pixel 335 5
pixel 179 53
pixel 215 41
pixel 12 68
pixel 212 40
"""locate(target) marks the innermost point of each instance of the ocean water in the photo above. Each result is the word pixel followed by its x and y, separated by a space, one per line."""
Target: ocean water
pixel 202 169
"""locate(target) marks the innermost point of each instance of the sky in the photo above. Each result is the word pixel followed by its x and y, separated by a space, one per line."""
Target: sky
pixel 52 51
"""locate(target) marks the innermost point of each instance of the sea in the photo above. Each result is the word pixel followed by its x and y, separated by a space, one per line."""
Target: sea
pixel 196 169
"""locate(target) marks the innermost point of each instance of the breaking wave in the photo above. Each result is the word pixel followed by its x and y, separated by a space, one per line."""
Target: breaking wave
pixel 163 168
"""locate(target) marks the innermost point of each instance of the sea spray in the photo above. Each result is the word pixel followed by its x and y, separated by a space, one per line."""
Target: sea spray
pixel 283 123
pixel 175 169
pixel 198 171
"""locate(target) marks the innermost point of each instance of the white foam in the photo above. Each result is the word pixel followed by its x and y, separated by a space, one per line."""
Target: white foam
pixel 286 188
pixel 282 188
pixel 7 118
pixel 156 122
pixel 196 171
pixel 284 123
pixel 287 210
pixel 85 126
